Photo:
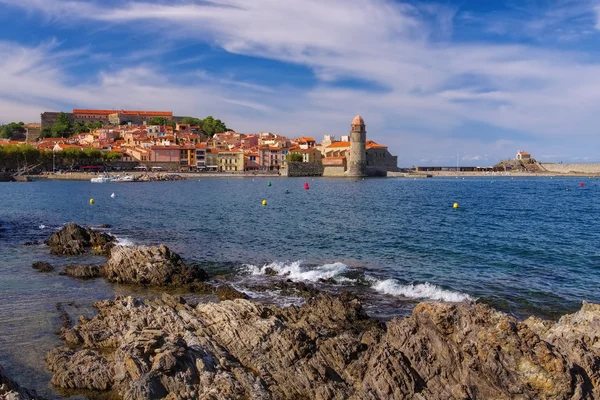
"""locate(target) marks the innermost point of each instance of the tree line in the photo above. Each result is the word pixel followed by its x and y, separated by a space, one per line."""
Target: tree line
pixel 209 125
pixel 26 156
pixel 64 126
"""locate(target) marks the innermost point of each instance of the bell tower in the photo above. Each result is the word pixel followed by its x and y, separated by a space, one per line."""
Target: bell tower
pixel 357 160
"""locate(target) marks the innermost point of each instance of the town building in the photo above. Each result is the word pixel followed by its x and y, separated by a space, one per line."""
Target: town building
pixel 231 160
pixel 200 156
pixel 522 155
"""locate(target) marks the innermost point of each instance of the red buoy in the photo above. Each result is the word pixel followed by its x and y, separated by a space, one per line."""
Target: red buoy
pixel 580 184
pixel 306 186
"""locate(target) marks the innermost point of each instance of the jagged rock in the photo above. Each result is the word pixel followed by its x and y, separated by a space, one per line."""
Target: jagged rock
pixel 150 266
pixel 222 291
pixel 327 349
pixel 82 271
pixel 83 369
pixel 74 239
pixel 42 266
pixel 577 337
pixel 10 390
pixel 34 243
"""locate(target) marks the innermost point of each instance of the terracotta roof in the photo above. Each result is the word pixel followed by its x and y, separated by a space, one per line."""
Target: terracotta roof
pixel 372 145
pixel 339 144
pixel 524 153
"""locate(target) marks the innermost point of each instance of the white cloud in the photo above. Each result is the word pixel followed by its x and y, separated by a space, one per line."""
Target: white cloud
pixel 548 94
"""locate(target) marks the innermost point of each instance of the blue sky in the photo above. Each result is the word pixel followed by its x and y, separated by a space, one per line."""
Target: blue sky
pixel 432 79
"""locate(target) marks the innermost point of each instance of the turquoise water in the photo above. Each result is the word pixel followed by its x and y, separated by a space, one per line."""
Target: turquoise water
pixel 525 245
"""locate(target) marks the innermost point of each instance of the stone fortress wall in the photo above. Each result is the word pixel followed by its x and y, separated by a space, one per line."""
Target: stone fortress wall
pixel 303 169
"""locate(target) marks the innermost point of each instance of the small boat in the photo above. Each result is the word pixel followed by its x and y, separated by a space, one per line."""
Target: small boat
pixel 101 179
pixel 126 178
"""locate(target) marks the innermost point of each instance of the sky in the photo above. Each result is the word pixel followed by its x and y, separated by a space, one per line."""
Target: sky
pixel 475 80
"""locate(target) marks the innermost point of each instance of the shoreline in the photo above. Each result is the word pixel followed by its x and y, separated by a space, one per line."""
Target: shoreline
pixel 83 176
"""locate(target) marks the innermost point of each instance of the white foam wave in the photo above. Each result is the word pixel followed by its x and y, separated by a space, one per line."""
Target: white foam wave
pixel 420 291
pixel 297 272
pixel 123 241
pixel 42 226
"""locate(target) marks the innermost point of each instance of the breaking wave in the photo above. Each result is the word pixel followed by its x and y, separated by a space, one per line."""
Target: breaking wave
pixel 419 291
pixel 123 241
pixel 341 273
pixel 297 272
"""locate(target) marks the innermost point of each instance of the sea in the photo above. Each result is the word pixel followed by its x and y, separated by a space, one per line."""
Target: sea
pixel 525 245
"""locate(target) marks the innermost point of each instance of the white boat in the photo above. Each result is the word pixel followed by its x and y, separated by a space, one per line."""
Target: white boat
pixel 126 178
pixel 101 179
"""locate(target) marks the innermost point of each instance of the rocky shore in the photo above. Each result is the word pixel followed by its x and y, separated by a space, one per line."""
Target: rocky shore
pixel 328 348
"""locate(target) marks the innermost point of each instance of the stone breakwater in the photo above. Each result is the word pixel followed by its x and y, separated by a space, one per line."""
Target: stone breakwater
pixel 326 349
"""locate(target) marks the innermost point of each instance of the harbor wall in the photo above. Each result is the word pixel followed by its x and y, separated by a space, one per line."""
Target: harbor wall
pixel 303 169
pixel 571 168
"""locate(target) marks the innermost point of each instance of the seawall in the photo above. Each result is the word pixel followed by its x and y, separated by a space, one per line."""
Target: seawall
pixel 571 168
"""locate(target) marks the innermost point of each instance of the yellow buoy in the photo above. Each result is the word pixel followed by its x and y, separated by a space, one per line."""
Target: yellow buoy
pixel 91 201
pixel 264 202
pixel 455 205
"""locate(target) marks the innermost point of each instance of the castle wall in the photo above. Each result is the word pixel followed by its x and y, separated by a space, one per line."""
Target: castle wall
pixel 334 171
pixel 382 159
pixel 295 169
pixel 48 118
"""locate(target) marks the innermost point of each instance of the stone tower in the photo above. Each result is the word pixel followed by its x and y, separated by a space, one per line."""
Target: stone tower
pixel 357 160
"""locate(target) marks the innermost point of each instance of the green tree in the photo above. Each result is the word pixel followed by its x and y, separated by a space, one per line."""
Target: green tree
pixel 162 121
pixel 111 155
pixel 91 154
pixel 46 132
pixel 70 156
pixel 294 157
pixel 63 126
pixel 191 121
pixel 13 130
pixel 210 126
pixel 19 156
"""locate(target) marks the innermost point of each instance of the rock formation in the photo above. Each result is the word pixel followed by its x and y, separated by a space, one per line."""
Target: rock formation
pixel 42 266
pixel 82 271
pixel 9 390
pixel 327 349
pixel 150 266
pixel 74 239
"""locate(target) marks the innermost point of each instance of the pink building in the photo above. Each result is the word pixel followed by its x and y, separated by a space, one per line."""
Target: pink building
pixel 249 141
pixel 165 153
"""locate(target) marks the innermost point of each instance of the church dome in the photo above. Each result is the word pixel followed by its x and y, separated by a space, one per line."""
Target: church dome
pixel 358 120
